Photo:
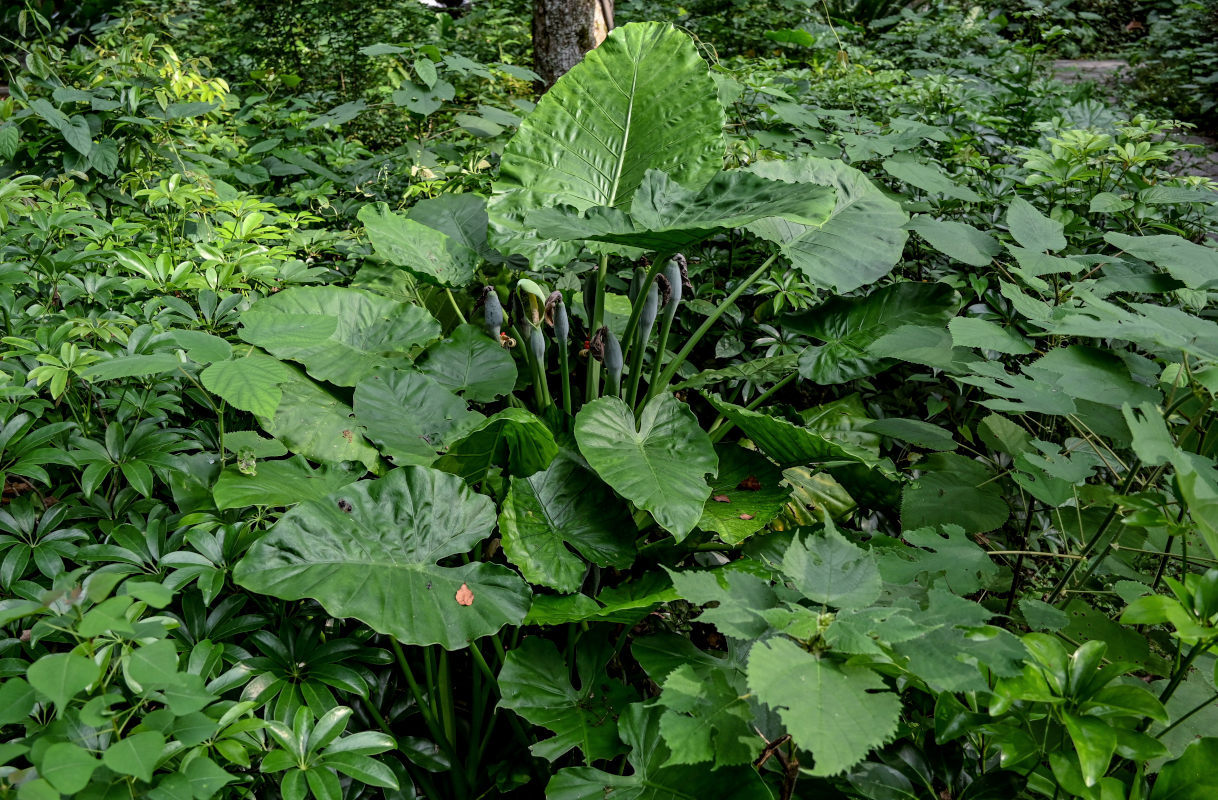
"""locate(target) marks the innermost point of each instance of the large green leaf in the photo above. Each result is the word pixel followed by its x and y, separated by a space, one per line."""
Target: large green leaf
pixel 1194 264
pixel 660 464
pixel 745 495
pixel 959 240
pixel 279 483
pixel 513 439
pixel 667 217
pixel 536 684
pixel 836 712
pixel 410 415
pixel 314 423
pixel 430 255
pixel 833 571
pixel 250 382
pixel 644 99
pixel 848 325
pixel 565 507
pixel 861 240
pixel 1192 776
pixel 788 444
pixel 471 364
pixel 954 490
pixel 651 778
pixel 369 551
pixel 339 335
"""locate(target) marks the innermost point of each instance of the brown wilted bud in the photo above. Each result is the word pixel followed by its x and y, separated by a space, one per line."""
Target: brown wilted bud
pixel 684 265
pixel 596 345
pixel 551 302
pixel 665 289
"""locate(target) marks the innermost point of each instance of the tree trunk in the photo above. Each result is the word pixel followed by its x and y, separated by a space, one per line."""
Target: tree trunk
pixel 563 30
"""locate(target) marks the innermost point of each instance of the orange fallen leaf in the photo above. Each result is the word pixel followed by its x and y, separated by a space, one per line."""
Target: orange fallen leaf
pixel 465 596
pixel 721 498
pixel 746 516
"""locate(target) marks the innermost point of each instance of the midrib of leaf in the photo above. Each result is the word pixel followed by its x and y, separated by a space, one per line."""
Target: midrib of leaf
pixel 621 156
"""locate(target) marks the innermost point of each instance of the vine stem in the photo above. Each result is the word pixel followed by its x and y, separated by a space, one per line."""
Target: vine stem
pixel 702 330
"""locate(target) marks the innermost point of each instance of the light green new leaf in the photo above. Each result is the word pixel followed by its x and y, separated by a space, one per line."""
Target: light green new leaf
pixel 1194 264
pixel 410 415
pixel 428 254
pixel 513 439
pixel 564 507
pixel 250 383
pixel 832 571
pixel 859 243
pixel 651 778
pixel 201 347
pixel 1032 229
pixel 838 713
pixel 339 335
pixel 644 99
pixel 956 239
pixel 660 464
pixel 667 217
pixel 279 483
pixel 849 325
pixel 471 364
pixel 369 551
pixel 62 676
pixel 135 755
pixel 536 684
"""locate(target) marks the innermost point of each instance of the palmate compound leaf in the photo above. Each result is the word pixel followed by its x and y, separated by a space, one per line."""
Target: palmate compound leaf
pixel 339 335
pixel 370 551
pixel 644 99
pixel 536 684
pixel 659 463
pixel 860 241
pixel 564 507
pixel 837 712
pixel 667 217
pixel 651 779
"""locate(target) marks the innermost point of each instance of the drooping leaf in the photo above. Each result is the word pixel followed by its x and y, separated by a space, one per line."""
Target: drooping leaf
pixel 667 217
pixel 536 684
pixel 986 335
pixel 650 778
pixel 369 551
pixel 659 463
pixel 339 335
pixel 1194 264
pixel 1032 229
pixel 837 712
pixel 788 444
pixel 959 240
pixel 250 382
pixel 428 254
pixel 410 415
pixel 513 439
pixel 847 326
pixel 644 99
pixel 859 243
pixel 471 364
pixel 138 366
pixel 914 431
pixel 564 507
pixel 929 177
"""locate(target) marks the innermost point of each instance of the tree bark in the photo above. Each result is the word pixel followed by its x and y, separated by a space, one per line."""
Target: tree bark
pixel 563 30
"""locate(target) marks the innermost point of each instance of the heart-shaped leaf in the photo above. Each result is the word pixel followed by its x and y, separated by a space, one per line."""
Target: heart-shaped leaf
pixel 659 464
pixel 370 551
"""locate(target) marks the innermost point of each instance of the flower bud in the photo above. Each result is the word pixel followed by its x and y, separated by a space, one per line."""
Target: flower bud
pixel 492 311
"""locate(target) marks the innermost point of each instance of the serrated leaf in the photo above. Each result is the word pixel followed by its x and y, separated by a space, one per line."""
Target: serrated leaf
pixel 1032 229
pixel 830 570
pixel 961 241
pixel 250 383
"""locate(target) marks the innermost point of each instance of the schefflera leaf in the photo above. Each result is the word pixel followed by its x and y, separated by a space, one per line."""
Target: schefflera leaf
pixel 644 99
pixel 370 551
pixel 659 463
